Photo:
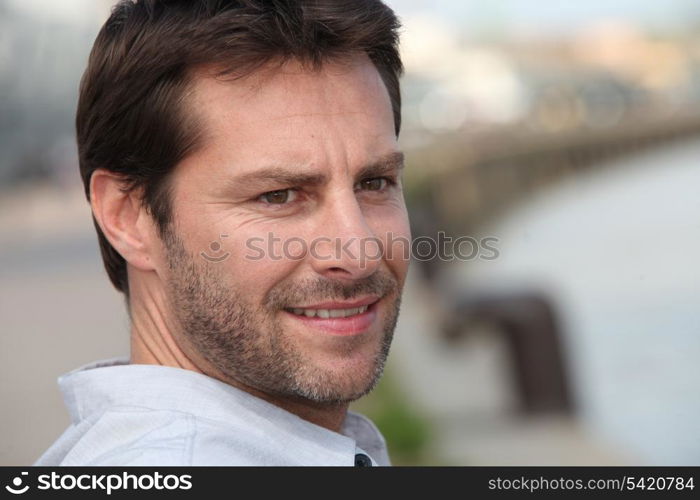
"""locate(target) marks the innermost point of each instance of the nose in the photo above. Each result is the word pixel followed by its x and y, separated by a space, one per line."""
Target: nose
pixel 345 245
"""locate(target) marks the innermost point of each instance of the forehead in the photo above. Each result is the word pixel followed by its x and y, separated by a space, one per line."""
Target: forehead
pixel 293 112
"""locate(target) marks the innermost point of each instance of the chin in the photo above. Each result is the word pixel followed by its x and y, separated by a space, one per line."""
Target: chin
pixel 342 382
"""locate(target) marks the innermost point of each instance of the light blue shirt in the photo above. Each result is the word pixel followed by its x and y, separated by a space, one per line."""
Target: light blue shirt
pixel 124 414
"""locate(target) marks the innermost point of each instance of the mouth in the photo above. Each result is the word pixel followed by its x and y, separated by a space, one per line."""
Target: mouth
pixel 338 319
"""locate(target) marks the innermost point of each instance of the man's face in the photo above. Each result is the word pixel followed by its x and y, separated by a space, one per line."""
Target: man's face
pixel 284 221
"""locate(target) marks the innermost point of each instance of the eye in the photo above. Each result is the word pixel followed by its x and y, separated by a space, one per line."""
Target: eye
pixel 279 197
pixel 375 184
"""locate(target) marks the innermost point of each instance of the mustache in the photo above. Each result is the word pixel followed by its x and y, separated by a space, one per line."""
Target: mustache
pixel 324 289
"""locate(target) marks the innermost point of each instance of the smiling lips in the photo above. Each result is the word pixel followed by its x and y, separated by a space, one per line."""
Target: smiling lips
pixel 330 313
pixel 341 318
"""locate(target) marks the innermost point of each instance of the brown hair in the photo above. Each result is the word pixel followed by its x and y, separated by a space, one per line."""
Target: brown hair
pixel 131 117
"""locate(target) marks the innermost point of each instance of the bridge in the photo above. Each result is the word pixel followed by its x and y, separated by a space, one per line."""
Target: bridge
pixel 461 181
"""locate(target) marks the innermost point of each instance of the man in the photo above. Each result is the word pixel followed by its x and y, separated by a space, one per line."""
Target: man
pixel 241 162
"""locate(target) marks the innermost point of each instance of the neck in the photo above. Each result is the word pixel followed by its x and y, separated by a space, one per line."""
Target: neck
pixel 153 343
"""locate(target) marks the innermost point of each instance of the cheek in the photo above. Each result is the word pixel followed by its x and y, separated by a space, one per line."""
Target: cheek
pixel 200 232
pixel 271 251
pixel 394 230
pixel 261 260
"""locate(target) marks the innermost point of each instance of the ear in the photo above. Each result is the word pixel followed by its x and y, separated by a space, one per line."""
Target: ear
pixel 123 220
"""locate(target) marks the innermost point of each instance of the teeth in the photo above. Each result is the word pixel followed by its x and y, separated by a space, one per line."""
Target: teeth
pixel 329 313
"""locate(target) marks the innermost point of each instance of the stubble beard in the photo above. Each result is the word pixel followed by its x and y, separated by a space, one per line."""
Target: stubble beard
pixel 247 343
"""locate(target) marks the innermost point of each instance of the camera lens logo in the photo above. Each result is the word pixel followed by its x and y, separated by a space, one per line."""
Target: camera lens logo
pixel 17 483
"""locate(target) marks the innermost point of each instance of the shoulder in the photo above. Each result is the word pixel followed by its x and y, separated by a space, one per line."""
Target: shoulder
pixel 133 436
pixel 125 436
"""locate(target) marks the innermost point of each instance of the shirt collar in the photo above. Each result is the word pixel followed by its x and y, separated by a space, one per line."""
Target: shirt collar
pixel 97 386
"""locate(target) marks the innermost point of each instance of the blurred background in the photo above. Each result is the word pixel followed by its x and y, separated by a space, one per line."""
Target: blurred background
pixel 567 133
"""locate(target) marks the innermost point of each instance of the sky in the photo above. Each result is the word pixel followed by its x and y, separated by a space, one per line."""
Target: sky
pixel 76 11
pixel 549 15
pixel 469 16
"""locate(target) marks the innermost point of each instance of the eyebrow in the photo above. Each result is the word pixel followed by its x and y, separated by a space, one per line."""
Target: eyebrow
pixel 284 176
pixel 385 165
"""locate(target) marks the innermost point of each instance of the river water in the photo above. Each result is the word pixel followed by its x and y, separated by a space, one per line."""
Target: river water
pixel 617 251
